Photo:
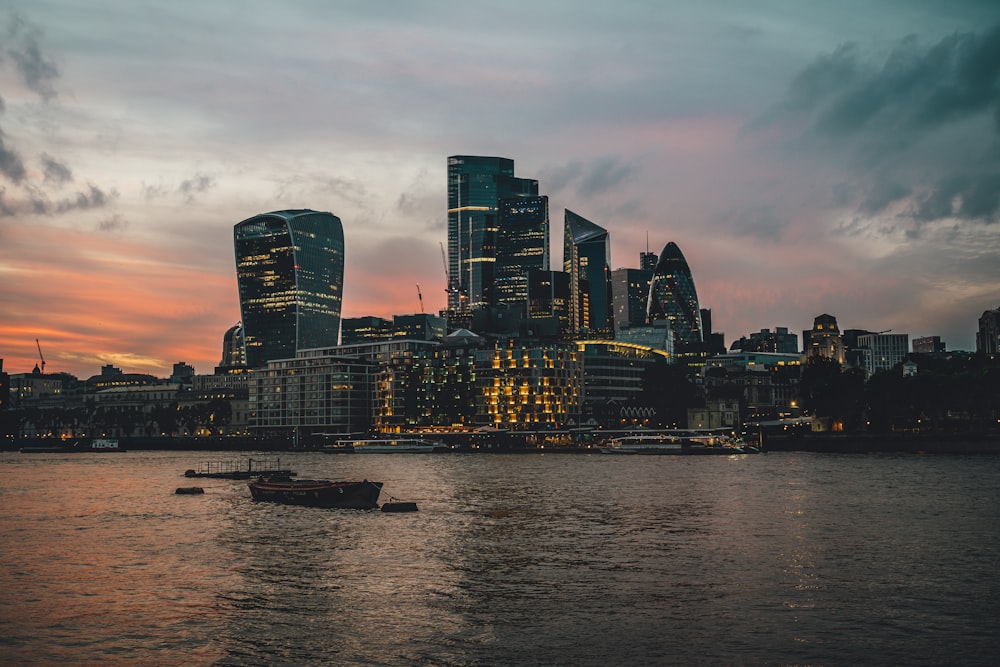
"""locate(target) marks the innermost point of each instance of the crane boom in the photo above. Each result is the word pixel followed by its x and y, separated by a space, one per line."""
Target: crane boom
pixel 39 346
pixel 421 297
pixel 444 262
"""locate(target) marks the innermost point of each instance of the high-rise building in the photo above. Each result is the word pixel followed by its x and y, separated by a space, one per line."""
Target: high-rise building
pixel 629 294
pixel 290 272
pixel 648 260
pixel 233 352
pixel 522 246
pixel 475 187
pixel 672 296
pixel 988 336
pixel 587 260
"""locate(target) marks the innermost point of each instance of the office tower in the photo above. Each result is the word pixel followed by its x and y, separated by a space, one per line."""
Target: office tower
pixel 290 272
pixel 475 187
pixel 824 339
pixel 629 293
pixel 587 260
pixel 354 330
pixel 988 336
pixel 522 246
pixel 233 353
pixel 778 341
pixel 672 296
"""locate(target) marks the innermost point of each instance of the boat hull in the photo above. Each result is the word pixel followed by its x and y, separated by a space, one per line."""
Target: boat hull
pixel 317 493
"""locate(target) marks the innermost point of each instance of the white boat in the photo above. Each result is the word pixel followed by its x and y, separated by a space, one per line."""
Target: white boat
pixel 674 442
pixel 386 446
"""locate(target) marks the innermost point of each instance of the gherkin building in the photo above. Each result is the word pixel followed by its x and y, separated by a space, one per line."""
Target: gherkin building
pixel 672 297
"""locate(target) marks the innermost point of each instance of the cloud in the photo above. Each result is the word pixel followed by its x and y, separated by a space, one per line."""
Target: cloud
pixel 199 183
pixel 11 165
pixel 22 46
pixel 588 178
pixel 55 172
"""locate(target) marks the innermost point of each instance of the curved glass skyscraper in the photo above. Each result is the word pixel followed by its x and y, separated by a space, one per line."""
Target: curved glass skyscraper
pixel 290 271
pixel 672 297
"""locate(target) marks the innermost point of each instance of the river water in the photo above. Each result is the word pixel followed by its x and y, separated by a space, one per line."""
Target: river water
pixel 530 559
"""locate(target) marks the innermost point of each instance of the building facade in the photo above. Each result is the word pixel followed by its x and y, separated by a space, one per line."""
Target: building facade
pixel 780 340
pixel 629 295
pixel 476 184
pixel 882 351
pixel 673 297
pixel 522 247
pixel 988 335
pixel 824 339
pixel 587 260
pixel 290 272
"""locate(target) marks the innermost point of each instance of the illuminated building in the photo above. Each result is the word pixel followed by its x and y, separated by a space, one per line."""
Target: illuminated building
pixel 475 187
pixel 361 329
pixel 928 345
pixel 629 294
pixel 233 352
pixel 672 297
pixel 824 339
pixel 468 383
pixel 422 326
pixel 587 260
pixel 290 272
pixel 522 246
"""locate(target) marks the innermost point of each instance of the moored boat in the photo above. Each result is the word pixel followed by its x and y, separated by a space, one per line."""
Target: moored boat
pixel 674 442
pixel 386 446
pixel 316 492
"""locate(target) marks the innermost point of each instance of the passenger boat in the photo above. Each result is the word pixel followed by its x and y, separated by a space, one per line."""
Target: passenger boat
pixel 674 442
pixel 386 446
pixel 95 445
pixel 316 492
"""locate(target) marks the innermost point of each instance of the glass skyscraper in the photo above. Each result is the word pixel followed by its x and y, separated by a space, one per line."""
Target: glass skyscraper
pixel 475 187
pixel 522 246
pixel 290 272
pixel 672 297
pixel 587 260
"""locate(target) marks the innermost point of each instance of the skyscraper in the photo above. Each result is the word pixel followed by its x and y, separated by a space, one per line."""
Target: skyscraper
pixel 629 294
pixel 988 336
pixel 672 297
pixel 290 272
pixel 475 187
pixel 587 260
pixel 522 246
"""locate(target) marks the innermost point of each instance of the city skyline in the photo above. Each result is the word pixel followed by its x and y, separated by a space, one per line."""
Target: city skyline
pixel 807 159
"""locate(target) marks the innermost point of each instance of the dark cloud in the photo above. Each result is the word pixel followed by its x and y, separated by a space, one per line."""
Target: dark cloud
pixel 599 175
pixel 22 46
pixel 964 196
pixel 915 89
pixel 11 165
pixel 113 224
pixel 55 172
pixel 196 185
pixel 93 197
pixel 881 193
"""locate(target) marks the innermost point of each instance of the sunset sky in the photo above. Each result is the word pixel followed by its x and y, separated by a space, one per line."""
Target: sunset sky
pixel 807 157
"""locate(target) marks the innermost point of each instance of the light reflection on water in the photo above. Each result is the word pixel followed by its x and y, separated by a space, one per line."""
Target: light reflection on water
pixel 511 560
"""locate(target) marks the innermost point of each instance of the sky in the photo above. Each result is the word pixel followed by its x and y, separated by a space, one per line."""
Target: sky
pixel 807 157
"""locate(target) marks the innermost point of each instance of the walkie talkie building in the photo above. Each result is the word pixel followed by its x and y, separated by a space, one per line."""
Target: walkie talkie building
pixel 290 272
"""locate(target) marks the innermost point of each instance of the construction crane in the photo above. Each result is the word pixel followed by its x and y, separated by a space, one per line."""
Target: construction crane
pixel 444 261
pixel 39 346
pixel 421 297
